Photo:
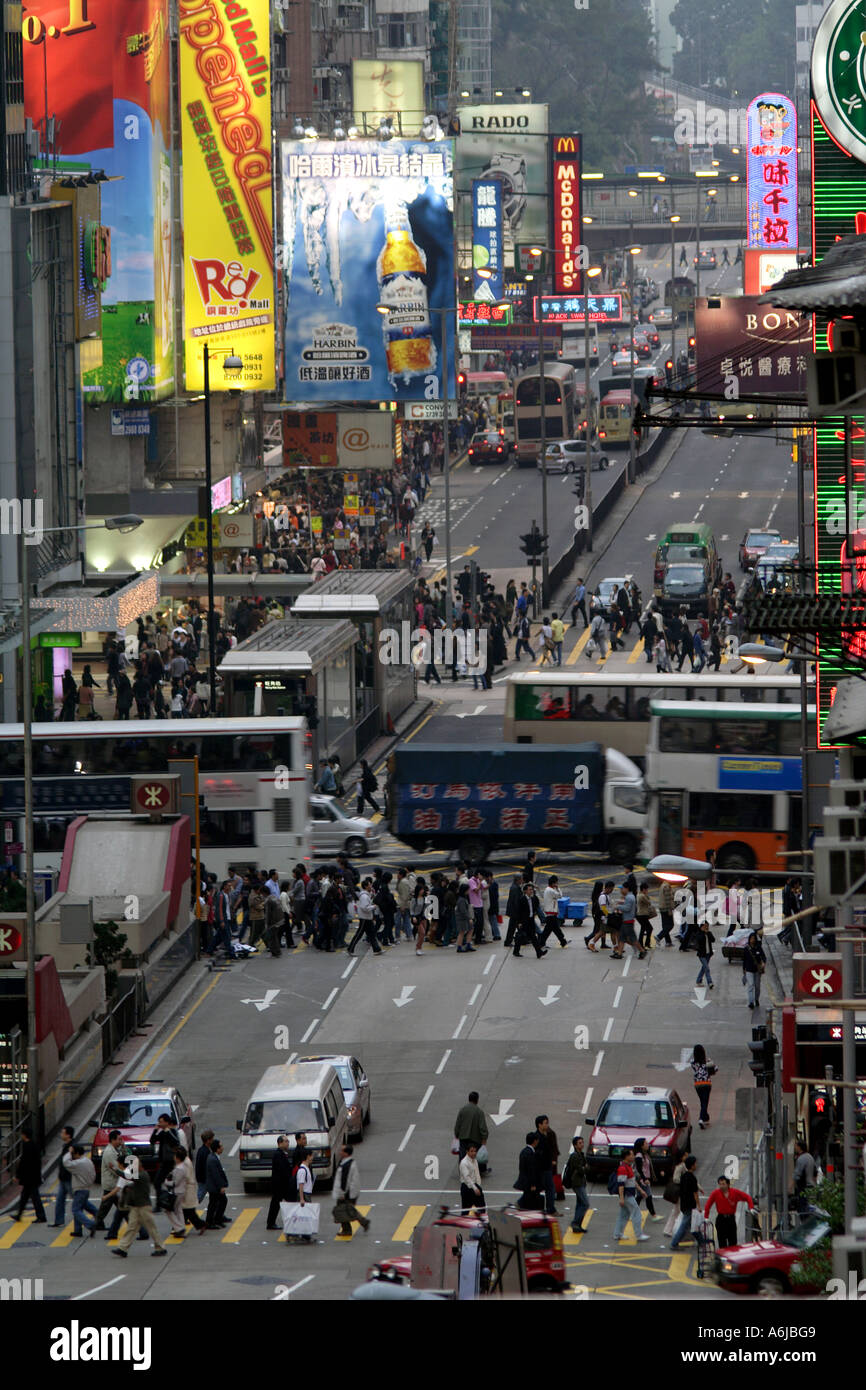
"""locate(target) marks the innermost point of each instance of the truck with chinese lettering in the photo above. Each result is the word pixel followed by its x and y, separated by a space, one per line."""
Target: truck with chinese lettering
pixel 578 797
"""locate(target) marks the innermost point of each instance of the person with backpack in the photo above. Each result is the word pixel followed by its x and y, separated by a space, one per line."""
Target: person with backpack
pixel 622 1182
pixel 133 1196
pixel 704 1070
pixel 574 1180
pixel 284 1184
pixel 348 1187
pixel 522 631
pixel 367 785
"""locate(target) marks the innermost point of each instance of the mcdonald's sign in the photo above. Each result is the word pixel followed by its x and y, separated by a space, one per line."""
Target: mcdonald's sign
pixel 565 169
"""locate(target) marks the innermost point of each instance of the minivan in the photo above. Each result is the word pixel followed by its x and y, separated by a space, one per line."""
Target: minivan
pixel 292 1098
pixel 688 543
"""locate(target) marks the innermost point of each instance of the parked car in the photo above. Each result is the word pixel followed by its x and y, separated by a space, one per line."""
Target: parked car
pixel 569 455
pixel 356 1090
pixel 333 831
pixel 766 1267
pixel 488 446
pixel 754 544
pixel 654 1113
pixel 134 1109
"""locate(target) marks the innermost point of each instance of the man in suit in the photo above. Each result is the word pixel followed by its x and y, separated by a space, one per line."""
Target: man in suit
pixel 527 934
pixel 284 1187
pixel 29 1175
pixel 527 1182
pixel 217 1187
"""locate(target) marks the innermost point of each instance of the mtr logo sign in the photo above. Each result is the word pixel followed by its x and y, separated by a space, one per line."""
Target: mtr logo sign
pixel 565 169
pixel 817 976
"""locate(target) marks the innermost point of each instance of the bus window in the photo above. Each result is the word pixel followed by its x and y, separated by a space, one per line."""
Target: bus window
pixel 670 823
pixel 587 709
pixel 790 742
pixel 642 708
pixel 746 737
pixel 614 709
pixel 740 812
pixel 554 704
pixel 686 736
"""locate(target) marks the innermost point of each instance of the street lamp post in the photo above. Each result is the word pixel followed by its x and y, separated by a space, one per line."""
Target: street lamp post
pixel 632 252
pixel 231 364
pixel 674 219
pixel 114 523
pixel 589 274
pixel 542 403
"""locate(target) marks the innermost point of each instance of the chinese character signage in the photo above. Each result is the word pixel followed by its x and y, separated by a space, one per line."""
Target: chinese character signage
pixel 382 88
pixel 369 263
pixel 487 239
pixel 565 211
pixel 603 308
pixel 751 348
pixel 310 440
pixel 499 808
pixel 470 312
pixel 771 173
pixel 509 144
pixel 107 70
pixel 225 118
pixel 838 82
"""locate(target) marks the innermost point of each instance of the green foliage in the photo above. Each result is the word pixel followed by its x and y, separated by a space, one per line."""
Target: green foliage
pixel 742 49
pixel 587 64
pixel 816 1265
pixel 109 944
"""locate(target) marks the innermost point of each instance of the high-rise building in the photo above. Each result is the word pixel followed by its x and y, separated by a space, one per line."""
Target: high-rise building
pixel 475 47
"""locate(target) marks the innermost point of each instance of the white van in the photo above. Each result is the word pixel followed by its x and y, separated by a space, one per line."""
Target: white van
pixel 292 1098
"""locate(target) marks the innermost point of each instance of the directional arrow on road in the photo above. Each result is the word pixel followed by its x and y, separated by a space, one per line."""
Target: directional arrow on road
pixel 405 996
pixel 700 998
pixel 550 996
pixel 685 1059
pixel 262 1004
pixel 470 712
pixel 502 1114
pixel 675 495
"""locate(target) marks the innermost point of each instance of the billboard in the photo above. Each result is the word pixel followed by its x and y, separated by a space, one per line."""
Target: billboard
pixel 92 255
pixel 225 122
pixel 756 347
pixel 365 439
pixel 763 269
pixel 565 156
pixel 107 71
pixel 310 439
pixel 469 312
pixel 488 248
pixel 603 308
pixel 771 173
pixel 509 144
pixel 367 225
pixel 383 88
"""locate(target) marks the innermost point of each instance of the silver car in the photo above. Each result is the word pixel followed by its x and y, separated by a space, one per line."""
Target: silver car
pixel 356 1090
pixel 334 832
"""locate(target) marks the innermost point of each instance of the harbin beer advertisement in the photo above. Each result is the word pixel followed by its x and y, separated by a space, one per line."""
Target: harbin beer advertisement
pixel 225 110
pixel 107 71
pixel 368 258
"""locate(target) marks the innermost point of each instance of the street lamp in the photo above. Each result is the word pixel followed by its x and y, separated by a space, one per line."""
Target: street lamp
pixel 673 868
pixel 232 366
pixel 632 251
pixel 673 219
pixel 123 523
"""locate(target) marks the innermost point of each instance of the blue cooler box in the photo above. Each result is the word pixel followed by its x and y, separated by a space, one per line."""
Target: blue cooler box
pixel 571 911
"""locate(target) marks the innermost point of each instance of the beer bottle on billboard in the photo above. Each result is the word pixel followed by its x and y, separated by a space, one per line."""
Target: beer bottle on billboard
pixel 402 274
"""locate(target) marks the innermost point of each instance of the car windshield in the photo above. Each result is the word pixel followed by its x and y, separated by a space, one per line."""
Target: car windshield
pixel 283 1116
pixel 347 1081
pixel 763 538
pixel 635 1114
pixel 684 552
pixel 137 1112
pixel 685 574
pixel 807 1236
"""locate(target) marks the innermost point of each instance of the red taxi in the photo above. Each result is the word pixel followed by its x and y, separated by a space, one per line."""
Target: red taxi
pixel 767 1267
pixel 542 1245
pixel 630 1113
pixel 134 1109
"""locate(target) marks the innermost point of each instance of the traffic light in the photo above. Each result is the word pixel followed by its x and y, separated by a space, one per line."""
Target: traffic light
pixel 669 371
pixel 763 1048
pixel 534 544
pixel 461 383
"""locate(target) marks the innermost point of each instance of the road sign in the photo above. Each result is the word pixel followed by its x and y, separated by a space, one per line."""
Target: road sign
pixel 429 410
pixel 155 795
pixel 817 976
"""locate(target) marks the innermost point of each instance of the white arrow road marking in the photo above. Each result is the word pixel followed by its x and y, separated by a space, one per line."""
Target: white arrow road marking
pixel 550 996
pixel 742 495
pixel 513 1061
pixel 650 537
pixel 675 495
pixel 262 1004
pixel 685 1060
pixel 700 998
pixel 502 1114
pixel 468 714
pixel 405 996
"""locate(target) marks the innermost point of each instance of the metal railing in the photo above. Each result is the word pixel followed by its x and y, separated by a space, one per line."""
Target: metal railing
pixel 123 1019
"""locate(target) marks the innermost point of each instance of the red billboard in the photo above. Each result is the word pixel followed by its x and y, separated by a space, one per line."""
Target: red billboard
pixel 565 201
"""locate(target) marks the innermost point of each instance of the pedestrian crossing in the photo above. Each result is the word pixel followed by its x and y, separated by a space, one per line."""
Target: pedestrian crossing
pixel 637 651
pixel 249 1223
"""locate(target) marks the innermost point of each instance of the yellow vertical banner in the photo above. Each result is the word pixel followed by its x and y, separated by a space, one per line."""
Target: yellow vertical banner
pixel 229 295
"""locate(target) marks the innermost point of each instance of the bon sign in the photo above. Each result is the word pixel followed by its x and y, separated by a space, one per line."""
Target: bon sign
pixel 817 976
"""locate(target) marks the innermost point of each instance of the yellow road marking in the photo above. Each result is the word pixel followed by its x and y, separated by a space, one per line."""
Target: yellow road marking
pixel 571 1237
pixel 409 737
pixel 408 1224
pixel 174 1032
pixel 16 1230
pixel 577 648
pixel 65 1238
pixel 638 649
pixel 471 549
pixel 356 1225
pixel 632 1240
pixel 240 1224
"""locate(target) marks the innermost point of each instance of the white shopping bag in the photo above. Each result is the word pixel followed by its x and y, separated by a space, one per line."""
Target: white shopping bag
pixel 300 1220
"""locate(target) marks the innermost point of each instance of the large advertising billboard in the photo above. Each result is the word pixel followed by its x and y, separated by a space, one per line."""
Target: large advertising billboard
pixel 565 167
pixel 382 88
pixel 771 173
pixel 102 69
pixel 488 248
pixel 369 269
pixel 225 121
pixel 751 348
pixel 509 144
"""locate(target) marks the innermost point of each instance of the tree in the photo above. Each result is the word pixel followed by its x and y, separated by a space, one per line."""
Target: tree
pixel 742 50
pixel 588 65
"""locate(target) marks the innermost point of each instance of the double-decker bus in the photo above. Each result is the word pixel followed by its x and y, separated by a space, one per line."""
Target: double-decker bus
pixel 725 777
pixel 253 782
pixel 568 706
pixel 560 397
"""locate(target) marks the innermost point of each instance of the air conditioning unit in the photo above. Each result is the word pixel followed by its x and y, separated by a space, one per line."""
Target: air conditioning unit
pixel 845 823
pixel 844 792
pixel 839 864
